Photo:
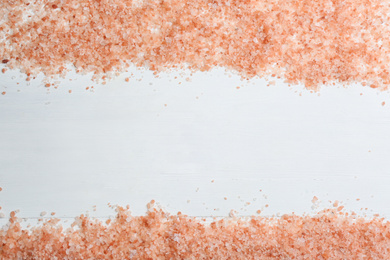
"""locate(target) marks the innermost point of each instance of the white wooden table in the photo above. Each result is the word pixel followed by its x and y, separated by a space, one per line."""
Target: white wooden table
pixel 190 145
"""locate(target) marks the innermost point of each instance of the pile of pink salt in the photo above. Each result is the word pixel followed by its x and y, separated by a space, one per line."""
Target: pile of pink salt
pixel 310 42
pixel 159 235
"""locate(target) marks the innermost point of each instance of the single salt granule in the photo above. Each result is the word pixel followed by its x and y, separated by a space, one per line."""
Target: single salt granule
pixel 232 213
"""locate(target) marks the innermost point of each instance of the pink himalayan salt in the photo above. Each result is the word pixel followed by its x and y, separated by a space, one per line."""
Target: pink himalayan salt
pixel 158 235
pixel 308 42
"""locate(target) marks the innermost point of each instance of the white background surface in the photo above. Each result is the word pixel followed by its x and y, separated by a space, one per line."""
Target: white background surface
pixel 66 152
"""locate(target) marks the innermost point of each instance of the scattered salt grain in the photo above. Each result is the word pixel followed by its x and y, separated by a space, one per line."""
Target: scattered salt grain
pixel 232 213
